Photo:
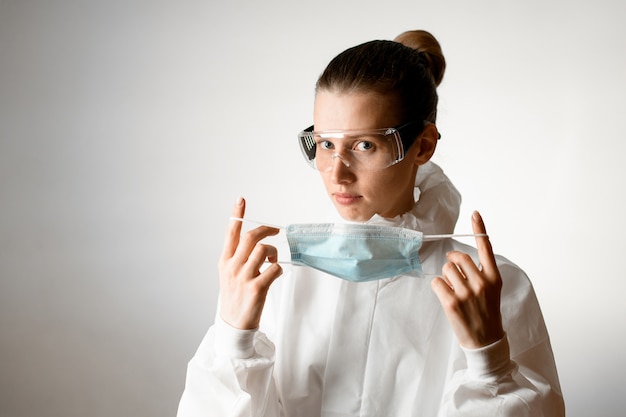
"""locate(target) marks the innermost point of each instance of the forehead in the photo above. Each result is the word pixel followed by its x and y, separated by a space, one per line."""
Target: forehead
pixel 354 110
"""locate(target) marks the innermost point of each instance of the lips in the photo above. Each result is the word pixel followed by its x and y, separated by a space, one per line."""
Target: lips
pixel 346 198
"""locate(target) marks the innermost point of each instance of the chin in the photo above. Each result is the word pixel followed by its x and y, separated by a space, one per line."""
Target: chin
pixel 353 215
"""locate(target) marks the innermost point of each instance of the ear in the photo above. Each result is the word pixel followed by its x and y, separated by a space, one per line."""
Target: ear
pixel 426 143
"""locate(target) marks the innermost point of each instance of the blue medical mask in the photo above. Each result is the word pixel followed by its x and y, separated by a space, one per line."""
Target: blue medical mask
pixel 356 252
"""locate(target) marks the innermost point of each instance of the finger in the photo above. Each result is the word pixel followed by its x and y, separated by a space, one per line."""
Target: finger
pixel 250 239
pixel 475 279
pixel 270 274
pixel 485 251
pixel 464 263
pixel 456 279
pixel 233 232
pixel 258 256
pixel 443 291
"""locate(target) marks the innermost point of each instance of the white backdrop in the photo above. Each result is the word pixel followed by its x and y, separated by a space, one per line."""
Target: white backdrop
pixel 128 128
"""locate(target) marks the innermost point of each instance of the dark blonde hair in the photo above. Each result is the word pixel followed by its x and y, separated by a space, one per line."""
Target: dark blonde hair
pixel 410 67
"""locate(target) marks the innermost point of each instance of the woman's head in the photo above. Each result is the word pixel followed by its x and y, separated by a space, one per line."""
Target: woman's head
pixel 409 68
pixel 379 84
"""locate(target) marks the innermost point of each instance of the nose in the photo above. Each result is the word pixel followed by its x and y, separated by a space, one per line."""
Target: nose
pixel 341 173
pixel 336 155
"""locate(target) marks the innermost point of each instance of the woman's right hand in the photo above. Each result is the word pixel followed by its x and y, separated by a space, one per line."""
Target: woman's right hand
pixel 243 287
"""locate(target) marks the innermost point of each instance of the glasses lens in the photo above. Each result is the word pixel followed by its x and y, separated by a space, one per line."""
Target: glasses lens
pixel 307 145
pixel 364 150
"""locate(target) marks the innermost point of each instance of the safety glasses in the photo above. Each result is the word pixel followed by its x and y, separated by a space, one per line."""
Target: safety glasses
pixel 362 150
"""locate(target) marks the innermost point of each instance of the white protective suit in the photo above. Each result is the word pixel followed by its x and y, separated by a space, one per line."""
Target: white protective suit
pixel 332 348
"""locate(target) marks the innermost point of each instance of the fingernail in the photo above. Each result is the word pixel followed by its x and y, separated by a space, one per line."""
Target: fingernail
pixel 239 201
pixel 476 216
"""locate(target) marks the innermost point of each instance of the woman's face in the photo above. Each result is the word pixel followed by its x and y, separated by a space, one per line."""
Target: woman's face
pixel 358 195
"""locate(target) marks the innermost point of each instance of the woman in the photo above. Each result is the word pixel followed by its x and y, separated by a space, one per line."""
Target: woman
pixel 471 341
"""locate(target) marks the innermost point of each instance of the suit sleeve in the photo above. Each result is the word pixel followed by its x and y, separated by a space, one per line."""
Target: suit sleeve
pixel 231 375
pixel 515 376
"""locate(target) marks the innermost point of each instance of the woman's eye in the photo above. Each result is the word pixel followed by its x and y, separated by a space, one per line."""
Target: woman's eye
pixel 324 144
pixel 364 146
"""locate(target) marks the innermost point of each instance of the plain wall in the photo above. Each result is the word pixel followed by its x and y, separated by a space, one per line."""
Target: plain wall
pixel 129 128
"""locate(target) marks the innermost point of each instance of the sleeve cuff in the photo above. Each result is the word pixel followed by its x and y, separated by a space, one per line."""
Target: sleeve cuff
pixel 233 343
pixel 490 362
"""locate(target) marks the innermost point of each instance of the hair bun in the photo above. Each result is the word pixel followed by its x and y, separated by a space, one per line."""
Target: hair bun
pixel 426 44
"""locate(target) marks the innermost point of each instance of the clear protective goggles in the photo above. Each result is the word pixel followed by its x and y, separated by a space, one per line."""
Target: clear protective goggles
pixel 361 150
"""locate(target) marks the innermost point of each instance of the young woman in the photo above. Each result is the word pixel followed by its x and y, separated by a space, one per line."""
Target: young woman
pixel 470 341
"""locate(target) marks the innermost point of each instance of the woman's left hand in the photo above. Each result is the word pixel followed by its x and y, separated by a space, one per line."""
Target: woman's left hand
pixel 470 295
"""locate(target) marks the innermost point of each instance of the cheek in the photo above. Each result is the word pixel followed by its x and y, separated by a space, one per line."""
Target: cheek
pixel 380 190
pixel 325 177
pixel 329 185
pixel 387 180
pixel 394 184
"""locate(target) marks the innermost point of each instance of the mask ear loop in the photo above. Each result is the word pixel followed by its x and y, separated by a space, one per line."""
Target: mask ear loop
pixel 428 238
pixel 241 219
